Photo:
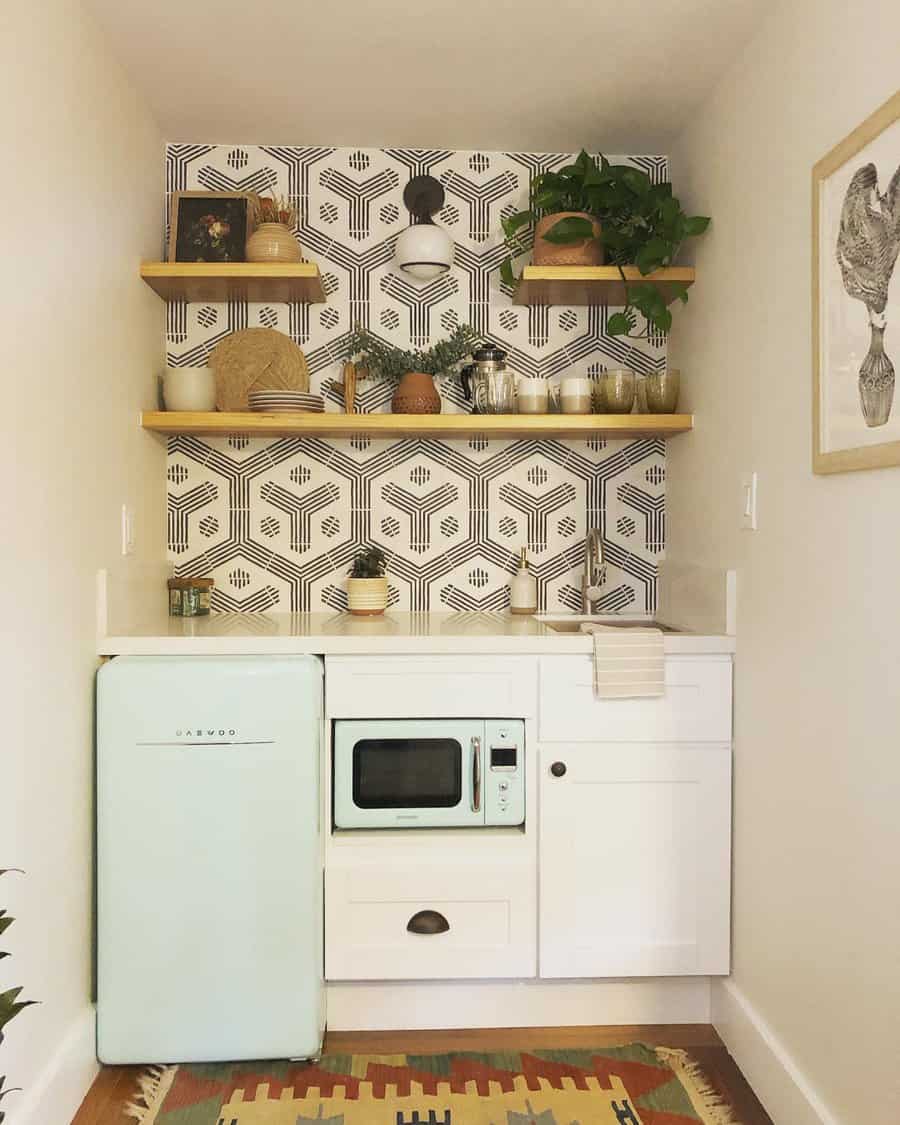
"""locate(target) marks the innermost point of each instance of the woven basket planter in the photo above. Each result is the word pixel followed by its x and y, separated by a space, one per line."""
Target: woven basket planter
pixel 588 252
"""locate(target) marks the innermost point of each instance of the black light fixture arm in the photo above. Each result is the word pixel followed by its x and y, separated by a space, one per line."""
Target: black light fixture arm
pixel 423 195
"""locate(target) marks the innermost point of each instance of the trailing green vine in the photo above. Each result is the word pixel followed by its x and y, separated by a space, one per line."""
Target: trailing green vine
pixel 641 224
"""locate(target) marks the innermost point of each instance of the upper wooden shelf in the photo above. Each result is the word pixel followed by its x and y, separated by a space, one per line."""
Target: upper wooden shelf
pixel 248 281
pixel 591 285
pixel 422 425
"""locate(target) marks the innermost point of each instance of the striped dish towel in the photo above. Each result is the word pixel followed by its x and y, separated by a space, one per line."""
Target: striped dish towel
pixel 629 663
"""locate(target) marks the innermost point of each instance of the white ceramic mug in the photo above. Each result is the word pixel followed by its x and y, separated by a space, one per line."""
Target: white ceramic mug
pixel 575 394
pixel 189 388
pixel 532 396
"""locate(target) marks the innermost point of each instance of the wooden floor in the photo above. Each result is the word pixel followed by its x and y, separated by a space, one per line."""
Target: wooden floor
pixel 116 1085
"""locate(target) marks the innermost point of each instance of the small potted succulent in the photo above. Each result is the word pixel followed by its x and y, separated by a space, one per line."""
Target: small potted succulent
pixel 273 218
pixel 636 222
pixel 413 371
pixel 367 584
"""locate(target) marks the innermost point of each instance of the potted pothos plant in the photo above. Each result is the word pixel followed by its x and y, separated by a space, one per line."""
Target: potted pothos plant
pixel 367 584
pixel 637 223
pixel 10 1004
pixel 413 370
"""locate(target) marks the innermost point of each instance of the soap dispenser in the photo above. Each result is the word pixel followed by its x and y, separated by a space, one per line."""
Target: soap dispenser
pixel 523 589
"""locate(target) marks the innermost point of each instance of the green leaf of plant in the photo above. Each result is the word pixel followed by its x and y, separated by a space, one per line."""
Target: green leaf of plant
pixel 695 225
pixel 679 290
pixel 663 321
pixel 506 272
pixel 571 229
pixel 10 1006
pixel 618 325
pixel 5 921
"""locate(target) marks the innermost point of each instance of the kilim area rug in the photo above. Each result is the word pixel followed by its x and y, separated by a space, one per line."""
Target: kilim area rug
pixel 633 1085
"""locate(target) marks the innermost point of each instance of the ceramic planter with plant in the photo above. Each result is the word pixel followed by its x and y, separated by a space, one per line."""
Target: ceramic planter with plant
pixel 273 218
pixel 638 223
pixel 10 1004
pixel 413 371
pixel 367 584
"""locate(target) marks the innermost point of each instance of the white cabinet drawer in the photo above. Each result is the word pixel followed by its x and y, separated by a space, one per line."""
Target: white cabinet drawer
pixel 696 706
pixel 490 911
pixel 413 687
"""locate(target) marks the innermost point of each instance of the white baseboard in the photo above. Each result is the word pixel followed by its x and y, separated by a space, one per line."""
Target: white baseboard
pixel 67 1076
pixel 778 1082
pixel 441 1005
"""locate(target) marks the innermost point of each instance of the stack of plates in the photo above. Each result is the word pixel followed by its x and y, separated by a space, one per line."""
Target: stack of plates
pixel 285 402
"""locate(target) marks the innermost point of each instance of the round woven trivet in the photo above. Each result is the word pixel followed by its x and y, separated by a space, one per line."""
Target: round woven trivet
pixel 256 359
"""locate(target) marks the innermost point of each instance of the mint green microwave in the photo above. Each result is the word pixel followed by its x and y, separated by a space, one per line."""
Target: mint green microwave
pixel 429 773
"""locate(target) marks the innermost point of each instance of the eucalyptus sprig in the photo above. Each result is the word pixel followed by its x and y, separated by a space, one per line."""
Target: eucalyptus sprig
pixel 641 224
pixel 390 363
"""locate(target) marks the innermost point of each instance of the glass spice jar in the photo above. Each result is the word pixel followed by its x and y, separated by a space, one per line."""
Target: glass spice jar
pixel 190 597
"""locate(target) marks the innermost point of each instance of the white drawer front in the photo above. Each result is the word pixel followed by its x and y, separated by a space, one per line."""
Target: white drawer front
pixel 430 687
pixel 696 706
pixel 491 914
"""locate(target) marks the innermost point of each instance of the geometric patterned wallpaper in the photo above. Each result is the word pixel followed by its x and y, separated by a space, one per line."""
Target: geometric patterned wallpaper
pixel 276 522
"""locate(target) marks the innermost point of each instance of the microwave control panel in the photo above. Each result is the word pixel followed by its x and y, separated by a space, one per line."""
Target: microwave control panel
pixel 504 771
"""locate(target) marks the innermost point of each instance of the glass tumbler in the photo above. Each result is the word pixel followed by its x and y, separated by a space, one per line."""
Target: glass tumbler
pixel 662 391
pixel 618 386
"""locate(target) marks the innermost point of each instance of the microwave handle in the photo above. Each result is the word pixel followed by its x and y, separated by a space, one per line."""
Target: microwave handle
pixel 476 774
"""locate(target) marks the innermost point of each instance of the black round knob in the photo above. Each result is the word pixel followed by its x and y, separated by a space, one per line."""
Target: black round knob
pixel 558 769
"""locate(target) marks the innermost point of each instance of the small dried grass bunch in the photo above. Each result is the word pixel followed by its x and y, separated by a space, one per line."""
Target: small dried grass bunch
pixel 272 209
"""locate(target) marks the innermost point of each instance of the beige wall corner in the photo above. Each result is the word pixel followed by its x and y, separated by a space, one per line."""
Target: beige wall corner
pixel 82 191
pixel 816 833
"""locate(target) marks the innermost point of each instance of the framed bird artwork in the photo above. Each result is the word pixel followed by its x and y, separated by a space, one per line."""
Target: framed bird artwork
pixel 856 298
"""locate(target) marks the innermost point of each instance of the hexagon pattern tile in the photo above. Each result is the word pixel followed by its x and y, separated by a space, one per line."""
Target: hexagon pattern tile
pixel 277 522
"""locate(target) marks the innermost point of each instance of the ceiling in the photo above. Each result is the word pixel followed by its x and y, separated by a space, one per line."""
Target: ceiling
pixel 459 74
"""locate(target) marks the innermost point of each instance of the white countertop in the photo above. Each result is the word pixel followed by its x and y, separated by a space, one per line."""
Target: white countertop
pixel 331 634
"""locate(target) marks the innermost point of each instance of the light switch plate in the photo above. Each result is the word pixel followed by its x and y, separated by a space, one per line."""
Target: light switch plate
pixel 127 530
pixel 748 501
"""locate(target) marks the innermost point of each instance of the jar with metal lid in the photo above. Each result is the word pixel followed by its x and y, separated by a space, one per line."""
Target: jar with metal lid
pixel 190 597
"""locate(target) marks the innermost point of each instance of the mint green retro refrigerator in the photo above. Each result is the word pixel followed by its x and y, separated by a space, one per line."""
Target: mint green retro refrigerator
pixel 209 862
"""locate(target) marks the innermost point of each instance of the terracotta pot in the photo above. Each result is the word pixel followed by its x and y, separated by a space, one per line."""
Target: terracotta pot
pixel 367 597
pixel 272 242
pixel 416 394
pixel 588 252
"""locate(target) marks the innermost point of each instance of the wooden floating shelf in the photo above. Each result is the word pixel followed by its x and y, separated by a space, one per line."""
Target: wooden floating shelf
pixel 591 285
pixel 249 424
pixel 247 281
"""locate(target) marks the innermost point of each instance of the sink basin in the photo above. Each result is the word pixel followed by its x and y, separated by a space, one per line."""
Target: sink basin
pixel 573 624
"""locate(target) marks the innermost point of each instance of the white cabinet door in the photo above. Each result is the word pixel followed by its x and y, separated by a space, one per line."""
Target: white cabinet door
pixel 635 860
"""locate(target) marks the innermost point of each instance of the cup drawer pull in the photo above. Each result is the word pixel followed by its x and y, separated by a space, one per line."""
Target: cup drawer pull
pixel 428 922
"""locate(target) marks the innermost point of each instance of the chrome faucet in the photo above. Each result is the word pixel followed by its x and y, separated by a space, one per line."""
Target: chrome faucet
pixel 594 570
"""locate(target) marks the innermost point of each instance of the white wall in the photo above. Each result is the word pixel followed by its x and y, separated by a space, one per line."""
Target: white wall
pixel 82 340
pixel 817 769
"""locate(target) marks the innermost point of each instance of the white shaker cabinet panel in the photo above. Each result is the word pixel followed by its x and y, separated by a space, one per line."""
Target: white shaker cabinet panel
pixel 696 706
pixel 413 687
pixel 380 920
pixel 635 860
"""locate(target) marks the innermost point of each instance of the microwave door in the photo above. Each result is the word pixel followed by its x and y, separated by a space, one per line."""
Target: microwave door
pixel 408 773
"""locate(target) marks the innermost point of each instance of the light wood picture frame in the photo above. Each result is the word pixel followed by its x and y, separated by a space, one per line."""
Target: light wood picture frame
pixel 196 223
pixel 856 297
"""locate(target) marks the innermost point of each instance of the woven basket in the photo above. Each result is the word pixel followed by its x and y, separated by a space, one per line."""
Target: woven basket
pixel 256 359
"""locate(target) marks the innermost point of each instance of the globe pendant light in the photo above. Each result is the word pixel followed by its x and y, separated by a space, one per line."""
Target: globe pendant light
pixel 423 250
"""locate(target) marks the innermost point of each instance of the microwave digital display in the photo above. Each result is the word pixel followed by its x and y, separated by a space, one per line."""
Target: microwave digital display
pixel 503 757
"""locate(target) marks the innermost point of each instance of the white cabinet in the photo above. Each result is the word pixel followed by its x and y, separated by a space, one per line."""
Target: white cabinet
pixel 479 919
pixel 696 705
pixel 634 860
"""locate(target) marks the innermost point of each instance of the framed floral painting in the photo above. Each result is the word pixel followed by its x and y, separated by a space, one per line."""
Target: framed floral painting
pixel 856 298
pixel 208 226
